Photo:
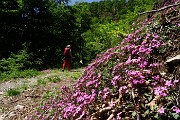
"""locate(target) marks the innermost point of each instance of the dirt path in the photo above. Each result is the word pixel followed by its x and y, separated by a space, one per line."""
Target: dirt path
pixel 39 88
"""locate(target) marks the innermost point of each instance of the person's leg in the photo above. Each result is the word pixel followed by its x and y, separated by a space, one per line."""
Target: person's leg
pixel 64 65
pixel 69 64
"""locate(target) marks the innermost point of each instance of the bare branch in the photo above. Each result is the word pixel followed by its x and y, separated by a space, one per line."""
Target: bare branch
pixel 163 8
pixel 100 112
pixel 110 117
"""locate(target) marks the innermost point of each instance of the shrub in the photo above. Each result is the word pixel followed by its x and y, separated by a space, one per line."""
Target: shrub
pixel 16 66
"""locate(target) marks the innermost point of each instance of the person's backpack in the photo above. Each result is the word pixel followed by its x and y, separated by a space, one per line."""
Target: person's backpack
pixel 67 51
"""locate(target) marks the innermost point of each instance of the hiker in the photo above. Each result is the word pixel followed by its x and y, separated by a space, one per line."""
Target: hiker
pixel 67 57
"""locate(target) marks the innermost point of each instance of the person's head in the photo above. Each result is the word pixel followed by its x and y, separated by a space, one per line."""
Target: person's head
pixel 68 46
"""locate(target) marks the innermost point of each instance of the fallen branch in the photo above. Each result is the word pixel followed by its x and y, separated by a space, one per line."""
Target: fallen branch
pixel 15 101
pixel 154 102
pixel 100 112
pixel 163 8
pixel 33 96
pixel 110 117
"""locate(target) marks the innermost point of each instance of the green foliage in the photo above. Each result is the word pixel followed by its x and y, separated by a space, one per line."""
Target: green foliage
pixel 41 81
pixel 15 62
pixel 18 74
pixel 101 37
pixel 105 33
pixel 1 109
pixel 48 94
pixel 16 66
pixel 47 26
pixel 54 79
pixel 24 87
pixel 76 75
pixel 13 92
pixel 9 5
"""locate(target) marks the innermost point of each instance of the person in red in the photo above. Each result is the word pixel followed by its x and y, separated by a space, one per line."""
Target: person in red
pixel 67 57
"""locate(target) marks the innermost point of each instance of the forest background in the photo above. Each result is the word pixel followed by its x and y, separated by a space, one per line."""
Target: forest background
pixel 33 33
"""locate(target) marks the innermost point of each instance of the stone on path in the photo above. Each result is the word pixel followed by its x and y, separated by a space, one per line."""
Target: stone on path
pixel 18 107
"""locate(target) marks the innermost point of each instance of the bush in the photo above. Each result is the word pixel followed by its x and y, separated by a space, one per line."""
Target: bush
pixel 16 66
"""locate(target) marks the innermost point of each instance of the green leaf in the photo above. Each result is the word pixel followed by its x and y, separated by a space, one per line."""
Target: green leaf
pixel 146 94
pixel 134 113
pixel 150 98
pixel 156 116
pixel 175 115
pixel 147 112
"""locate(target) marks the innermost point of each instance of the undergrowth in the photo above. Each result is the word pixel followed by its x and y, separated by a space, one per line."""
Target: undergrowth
pixel 16 67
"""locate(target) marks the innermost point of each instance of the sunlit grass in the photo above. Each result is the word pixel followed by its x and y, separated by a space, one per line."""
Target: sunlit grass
pixel 4 76
pixel 13 92
pixel 41 81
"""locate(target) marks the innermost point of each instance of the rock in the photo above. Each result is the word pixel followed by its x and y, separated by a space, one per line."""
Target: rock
pixel 173 60
pixel 1 117
pixel 1 93
pixel 18 107
pixel 173 64
pixel 163 73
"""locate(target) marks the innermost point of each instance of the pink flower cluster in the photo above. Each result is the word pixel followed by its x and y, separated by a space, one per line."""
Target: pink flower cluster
pixel 123 69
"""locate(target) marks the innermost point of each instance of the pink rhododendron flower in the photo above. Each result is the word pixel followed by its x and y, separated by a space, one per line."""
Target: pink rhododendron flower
pixel 161 110
pixel 97 84
pixel 176 81
pixel 156 36
pixel 129 60
pixel 148 36
pixel 134 60
pixel 119 116
pixel 148 50
pixel 135 81
pixel 144 41
pixel 157 77
pixel 133 73
pixel 160 91
pixel 142 81
pixel 122 89
pixel 105 96
pixel 115 80
pixel 105 93
pixel 147 71
pixel 112 104
pixel 155 43
pixel 78 109
pixel 137 39
pixel 143 64
pixel 134 51
pixel 142 49
pixel 168 83
pixel 137 31
pixel 82 114
pixel 155 65
pixel 176 109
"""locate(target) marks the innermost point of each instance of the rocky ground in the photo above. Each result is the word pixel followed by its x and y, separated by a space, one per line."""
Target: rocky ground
pixel 39 88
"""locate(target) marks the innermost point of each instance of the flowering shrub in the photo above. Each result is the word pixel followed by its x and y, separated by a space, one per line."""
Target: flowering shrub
pixel 126 81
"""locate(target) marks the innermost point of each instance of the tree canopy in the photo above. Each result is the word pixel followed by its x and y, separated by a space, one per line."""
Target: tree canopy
pixel 44 27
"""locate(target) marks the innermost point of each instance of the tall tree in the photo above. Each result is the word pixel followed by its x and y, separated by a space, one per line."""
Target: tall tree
pixel 82 24
pixel 10 28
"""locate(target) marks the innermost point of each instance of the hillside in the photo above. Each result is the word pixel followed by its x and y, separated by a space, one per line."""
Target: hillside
pixel 138 79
